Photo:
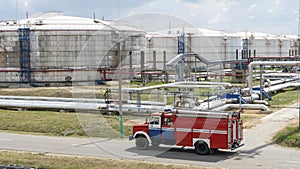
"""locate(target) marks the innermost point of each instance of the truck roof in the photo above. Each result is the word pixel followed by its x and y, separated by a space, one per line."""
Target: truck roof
pixel 195 113
pixel 210 115
pixel 160 113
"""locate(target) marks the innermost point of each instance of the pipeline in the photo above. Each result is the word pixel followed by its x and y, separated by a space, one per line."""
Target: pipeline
pixel 261 102
pixel 252 64
pixel 243 106
pixel 211 104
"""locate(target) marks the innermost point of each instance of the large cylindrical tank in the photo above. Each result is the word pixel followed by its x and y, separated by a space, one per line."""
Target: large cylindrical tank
pixel 266 44
pixel 60 45
pixel 211 45
pixel 9 52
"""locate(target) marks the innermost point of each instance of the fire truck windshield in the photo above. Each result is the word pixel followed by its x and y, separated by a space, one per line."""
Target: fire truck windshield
pixel 154 120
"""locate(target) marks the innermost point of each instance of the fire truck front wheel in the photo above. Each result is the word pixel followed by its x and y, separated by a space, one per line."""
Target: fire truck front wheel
pixel 141 143
pixel 201 148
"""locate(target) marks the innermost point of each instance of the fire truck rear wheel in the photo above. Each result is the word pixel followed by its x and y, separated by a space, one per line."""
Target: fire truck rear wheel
pixel 202 148
pixel 141 143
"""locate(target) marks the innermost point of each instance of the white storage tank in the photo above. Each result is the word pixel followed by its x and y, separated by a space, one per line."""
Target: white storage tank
pixel 263 44
pixel 58 45
pixel 211 45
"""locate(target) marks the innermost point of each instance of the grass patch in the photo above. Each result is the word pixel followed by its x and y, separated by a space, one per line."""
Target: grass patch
pixel 250 120
pixel 289 136
pixel 44 122
pixel 284 97
pixel 66 92
pixel 55 123
pixel 154 83
pixel 67 162
pixel 39 91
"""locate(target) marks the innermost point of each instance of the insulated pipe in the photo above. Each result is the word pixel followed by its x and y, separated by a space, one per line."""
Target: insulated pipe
pixel 254 96
pixel 183 84
pixel 243 106
pixel 261 102
pixel 211 105
pixel 252 64
pixel 203 83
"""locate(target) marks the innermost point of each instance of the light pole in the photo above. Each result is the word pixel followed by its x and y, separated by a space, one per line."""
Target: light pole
pixel 298 105
pixel 120 91
pixel 298 101
pixel 298 55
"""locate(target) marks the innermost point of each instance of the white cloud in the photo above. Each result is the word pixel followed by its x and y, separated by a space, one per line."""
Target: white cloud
pixel 252 8
pixel 276 8
pixel 295 12
pixel 219 17
pixel 270 11
pixel 222 9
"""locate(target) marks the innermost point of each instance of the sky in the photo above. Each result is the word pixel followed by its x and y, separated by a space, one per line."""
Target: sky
pixel 268 16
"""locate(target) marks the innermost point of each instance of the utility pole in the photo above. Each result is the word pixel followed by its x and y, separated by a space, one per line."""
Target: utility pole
pixel 298 28
pixel 120 90
pixel 298 54
pixel 298 101
pixel 261 83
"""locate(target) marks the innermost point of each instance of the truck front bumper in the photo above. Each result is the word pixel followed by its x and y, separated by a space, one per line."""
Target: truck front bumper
pixel 131 138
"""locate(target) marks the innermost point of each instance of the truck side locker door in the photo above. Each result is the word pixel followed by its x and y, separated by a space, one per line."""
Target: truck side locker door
pixel 240 130
pixel 234 130
pixel 230 141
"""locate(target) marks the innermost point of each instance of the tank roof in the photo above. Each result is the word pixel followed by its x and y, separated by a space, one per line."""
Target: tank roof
pixel 194 32
pixel 260 35
pixel 58 21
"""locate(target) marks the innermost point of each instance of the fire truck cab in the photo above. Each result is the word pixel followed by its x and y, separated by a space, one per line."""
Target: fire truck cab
pixel 205 131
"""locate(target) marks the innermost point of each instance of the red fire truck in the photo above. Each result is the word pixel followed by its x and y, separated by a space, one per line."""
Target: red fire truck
pixel 205 131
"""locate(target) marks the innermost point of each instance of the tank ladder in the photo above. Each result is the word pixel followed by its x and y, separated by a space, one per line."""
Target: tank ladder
pixel 181 44
pixel 24 55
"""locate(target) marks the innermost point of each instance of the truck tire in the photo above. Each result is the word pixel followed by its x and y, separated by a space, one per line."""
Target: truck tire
pixel 201 148
pixel 141 143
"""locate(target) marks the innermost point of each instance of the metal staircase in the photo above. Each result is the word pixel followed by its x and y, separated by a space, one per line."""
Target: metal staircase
pixel 265 94
pixel 236 96
pixel 24 51
pixel 181 44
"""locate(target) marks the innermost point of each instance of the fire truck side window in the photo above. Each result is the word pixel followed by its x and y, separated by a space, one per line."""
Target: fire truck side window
pixel 168 122
pixel 155 121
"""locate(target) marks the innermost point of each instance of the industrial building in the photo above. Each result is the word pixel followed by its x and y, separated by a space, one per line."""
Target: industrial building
pixel 57 50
